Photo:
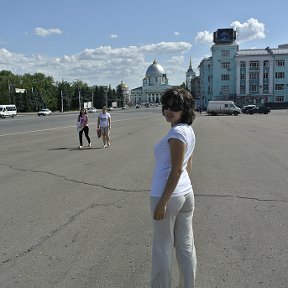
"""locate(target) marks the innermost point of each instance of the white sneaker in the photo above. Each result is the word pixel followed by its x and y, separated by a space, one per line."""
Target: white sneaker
pixel 89 145
pixel 105 146
pixel 108 144
pixel 80 147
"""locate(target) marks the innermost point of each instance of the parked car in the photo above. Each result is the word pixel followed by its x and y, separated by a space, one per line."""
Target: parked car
pixel 92 110
pixel 260 109
pixel 222 107
pixel 8 111
pixel 44 112
pixel 247 107
pixel 110 108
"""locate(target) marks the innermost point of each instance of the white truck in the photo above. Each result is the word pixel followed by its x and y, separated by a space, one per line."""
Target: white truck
pixel 8 111
pixel 222 107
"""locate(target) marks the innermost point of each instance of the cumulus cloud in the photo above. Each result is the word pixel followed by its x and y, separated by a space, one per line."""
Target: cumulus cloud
pixel 42 32
pixel 250 30
pixel 113 36
pixel 247 31
pixel 102 65
pixel 204 37
pixel 176 60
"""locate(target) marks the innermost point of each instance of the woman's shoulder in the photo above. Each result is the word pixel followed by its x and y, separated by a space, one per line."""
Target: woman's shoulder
pixel 182 131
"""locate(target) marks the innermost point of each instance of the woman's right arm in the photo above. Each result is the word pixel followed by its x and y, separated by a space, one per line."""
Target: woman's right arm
pixel 189 166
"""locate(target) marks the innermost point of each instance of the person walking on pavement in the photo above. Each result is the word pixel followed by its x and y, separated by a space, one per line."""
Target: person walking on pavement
pixel 171 193
pixel 82 126
pixel 104 123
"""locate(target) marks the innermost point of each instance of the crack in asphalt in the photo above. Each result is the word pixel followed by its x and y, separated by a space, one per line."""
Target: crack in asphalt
pixel 242 197
pixel 93 205
pixel 53 232
pixel 74 180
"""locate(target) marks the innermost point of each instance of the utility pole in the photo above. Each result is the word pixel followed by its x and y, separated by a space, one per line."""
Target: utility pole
pixel 79 98
pixel 62 109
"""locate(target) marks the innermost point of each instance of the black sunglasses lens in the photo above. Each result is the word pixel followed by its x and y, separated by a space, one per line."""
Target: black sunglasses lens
pixel 173 108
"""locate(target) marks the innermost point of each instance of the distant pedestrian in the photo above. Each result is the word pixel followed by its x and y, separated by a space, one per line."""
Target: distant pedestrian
pixel 104 123
pixel 172 198
pixel 82 126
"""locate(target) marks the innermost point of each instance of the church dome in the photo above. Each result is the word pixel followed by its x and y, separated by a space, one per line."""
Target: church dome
pixel 122 86
pixel 155 69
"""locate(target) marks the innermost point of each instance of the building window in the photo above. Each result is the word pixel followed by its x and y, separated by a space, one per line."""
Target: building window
pixel 242 64
pixel 266 75
pixel 225 53
pixel 280 63
pixel 225 89
pixel 280 75
pixel 253 88
pixel 209 78
pixel 242 89
pixel 225 64
pixel 225 77
pixel 254 75
pixel 279 87
pixel 242 76
pixel 265 88
pixel 254 65
pixel 279 99
pixel 266 63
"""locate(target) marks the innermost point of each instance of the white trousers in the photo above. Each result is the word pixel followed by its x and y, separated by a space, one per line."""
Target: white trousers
pixel 175 230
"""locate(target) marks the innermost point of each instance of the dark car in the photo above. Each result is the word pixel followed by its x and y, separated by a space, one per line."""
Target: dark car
pixel 247 107
pixel 260 109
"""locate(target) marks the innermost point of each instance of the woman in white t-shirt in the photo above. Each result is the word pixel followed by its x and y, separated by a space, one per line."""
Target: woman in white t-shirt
pixel 171 194
pixel 104 123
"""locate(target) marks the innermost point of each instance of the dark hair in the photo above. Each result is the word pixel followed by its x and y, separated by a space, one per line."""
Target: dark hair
pixel 182 98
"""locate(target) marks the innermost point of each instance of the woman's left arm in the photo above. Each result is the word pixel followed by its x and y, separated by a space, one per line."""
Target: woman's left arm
pixel 177 152
pixel 109 122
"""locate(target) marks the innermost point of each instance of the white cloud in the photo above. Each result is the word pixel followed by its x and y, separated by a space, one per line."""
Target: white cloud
pixel 176 33
pixel 46 32
pixel 204 37
pixel 102 65
pixel 176 60
pixel 250 30
pixel 113 36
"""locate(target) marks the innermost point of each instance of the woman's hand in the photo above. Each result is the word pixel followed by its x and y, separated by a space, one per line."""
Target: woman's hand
pixel 159 211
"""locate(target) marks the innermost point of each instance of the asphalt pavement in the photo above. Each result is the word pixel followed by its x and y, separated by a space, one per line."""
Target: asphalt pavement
pixel 80 218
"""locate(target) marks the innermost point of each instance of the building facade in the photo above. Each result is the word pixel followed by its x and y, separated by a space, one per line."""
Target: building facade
pixel 249 76
pixel 155 83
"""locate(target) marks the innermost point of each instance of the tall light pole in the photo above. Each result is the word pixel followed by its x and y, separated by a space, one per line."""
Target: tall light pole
pixel 79 98
pixel 62 109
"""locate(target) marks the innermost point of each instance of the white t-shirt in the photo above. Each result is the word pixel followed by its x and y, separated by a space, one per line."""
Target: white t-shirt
pixel 104 119
pixel 184 133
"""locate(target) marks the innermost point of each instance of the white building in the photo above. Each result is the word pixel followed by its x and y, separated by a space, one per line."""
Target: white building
pixel 155 83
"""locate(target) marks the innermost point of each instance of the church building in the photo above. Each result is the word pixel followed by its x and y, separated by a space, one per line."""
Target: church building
pixel 155 83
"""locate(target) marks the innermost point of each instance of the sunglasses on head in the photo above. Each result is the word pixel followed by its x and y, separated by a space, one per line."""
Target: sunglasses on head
pixel 172 107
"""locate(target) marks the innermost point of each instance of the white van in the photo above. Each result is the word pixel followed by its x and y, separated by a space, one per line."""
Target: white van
pixel 8 111
pixel 222 107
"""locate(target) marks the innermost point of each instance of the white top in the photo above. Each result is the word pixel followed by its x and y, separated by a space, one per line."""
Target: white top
pixel 104 119
pixel 184 133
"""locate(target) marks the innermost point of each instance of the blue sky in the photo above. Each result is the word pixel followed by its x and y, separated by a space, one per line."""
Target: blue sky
pixel 106 42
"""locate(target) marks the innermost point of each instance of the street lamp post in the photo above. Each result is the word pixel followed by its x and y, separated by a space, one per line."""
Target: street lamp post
pixel 62 109
pixel 79 98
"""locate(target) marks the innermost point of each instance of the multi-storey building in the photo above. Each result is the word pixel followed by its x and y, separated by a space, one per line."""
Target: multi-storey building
pixel 248 76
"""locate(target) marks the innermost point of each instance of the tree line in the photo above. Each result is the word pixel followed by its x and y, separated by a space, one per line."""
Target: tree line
pixel 31 93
